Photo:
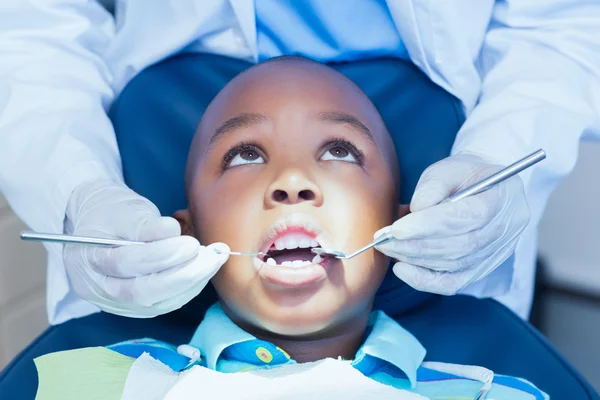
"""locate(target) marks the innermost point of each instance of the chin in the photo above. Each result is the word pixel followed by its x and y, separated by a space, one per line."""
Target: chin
pixel 304 320
pixel 295 327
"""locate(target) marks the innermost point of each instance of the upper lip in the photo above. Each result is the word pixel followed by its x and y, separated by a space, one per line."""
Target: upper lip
pixel 293 223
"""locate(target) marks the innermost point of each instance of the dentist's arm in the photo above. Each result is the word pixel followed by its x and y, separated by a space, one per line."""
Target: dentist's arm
pixel 60 167
pixel 540 68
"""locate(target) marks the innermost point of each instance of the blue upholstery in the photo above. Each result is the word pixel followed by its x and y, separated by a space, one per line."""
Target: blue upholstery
pixel 155 118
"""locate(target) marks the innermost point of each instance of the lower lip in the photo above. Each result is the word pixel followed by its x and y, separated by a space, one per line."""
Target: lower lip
pixel 293 277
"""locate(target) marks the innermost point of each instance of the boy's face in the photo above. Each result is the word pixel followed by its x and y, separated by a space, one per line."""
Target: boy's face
pixel 291 156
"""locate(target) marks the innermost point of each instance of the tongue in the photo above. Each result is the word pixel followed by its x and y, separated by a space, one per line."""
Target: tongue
pixel 293 255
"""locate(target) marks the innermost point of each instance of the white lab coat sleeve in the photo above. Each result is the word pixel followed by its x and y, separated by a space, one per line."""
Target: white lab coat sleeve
pixel 55 89
pixel 540 70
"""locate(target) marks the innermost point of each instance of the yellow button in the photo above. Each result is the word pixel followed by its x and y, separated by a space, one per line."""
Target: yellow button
pixel 264 355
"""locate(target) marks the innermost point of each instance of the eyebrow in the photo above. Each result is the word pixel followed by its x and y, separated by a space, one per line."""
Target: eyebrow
pixel 340 117
pixel 238 122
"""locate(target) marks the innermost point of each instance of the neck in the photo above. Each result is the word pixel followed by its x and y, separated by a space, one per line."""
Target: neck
pixel 343 343
pixel 343 340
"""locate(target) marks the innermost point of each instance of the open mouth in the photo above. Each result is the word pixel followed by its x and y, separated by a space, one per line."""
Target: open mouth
pixel 290 262
pixel 290 240
pixel 293 249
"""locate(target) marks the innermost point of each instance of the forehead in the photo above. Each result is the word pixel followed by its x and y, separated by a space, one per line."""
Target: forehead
pixel 296 89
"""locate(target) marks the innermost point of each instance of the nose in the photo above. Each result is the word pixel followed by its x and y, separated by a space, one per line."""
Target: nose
pixel 293 187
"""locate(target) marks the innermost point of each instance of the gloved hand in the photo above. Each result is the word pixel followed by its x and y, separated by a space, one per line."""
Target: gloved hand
pixel 138 280
pixel 444 248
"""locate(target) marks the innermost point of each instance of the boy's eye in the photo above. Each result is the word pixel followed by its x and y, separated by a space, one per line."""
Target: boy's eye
pixel 246 157
pixel 242 154
pixel 342 151
pixel 338 153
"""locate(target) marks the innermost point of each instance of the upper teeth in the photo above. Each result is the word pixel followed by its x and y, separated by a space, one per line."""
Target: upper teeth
pixel 295 241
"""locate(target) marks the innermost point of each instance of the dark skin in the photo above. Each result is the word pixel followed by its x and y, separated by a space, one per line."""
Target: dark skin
pixel 287 139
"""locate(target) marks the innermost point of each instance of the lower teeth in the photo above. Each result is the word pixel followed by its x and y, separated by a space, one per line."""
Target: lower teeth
pixel 294 264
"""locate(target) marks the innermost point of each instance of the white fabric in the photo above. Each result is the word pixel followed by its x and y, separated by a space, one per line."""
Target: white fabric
pixel 526 71
pixel 473 372
pixel 148 379
pixel 326 379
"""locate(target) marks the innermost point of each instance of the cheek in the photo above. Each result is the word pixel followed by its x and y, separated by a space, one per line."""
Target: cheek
pixel 357 209
pixel 235 274
pixel 226 211
pixel 358 206
pixel 223 209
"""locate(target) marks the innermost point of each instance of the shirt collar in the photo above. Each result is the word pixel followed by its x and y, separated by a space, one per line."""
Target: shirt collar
pixel 387 341
pixel 215 333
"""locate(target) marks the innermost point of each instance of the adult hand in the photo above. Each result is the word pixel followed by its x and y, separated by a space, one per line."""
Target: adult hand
pixel 137 280
pixel 442 248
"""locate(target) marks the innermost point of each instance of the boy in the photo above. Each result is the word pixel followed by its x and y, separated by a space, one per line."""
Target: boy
pixel 289 156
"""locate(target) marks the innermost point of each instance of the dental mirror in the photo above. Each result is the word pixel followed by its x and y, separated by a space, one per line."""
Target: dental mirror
pixel 241 253
pixel 94 241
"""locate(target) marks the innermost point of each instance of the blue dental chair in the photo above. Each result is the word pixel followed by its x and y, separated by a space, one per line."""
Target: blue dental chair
pixel 155 118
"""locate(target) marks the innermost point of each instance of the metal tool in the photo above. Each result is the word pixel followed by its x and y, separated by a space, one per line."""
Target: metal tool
pixel 478 187
pixel 499 176
pixel 61 238
pixel 94 241
pixel 343 256
pixel 241 253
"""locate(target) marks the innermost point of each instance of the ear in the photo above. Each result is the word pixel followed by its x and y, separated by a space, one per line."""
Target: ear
pixel 185 221
pixel 403 209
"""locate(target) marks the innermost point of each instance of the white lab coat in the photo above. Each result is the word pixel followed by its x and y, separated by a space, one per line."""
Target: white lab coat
pixel 526 71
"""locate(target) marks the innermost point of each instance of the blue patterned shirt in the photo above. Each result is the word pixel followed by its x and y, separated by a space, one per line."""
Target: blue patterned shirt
pixel 389 354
